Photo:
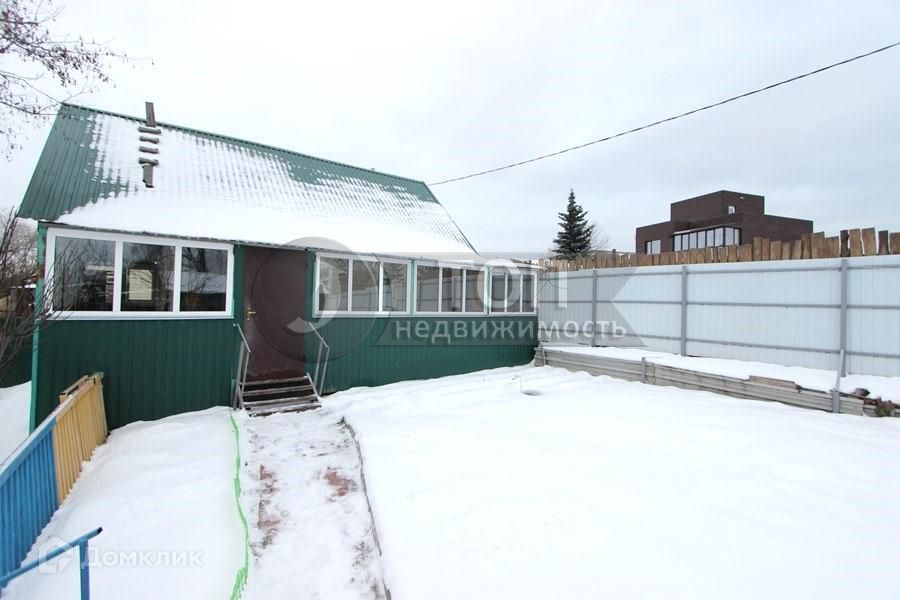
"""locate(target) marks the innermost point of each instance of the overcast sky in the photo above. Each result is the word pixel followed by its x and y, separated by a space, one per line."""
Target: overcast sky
pixel 436 91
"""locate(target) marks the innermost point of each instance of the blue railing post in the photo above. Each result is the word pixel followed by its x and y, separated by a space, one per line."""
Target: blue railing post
pixel 85 570
pixel 83 562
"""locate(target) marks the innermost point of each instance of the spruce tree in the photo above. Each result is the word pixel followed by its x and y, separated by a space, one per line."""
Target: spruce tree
pixel 575 235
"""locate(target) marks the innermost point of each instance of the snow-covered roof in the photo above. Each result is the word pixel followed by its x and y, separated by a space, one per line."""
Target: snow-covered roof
pixel 215 187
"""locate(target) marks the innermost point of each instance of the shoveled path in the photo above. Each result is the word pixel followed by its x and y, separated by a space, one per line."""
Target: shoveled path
pixel 311 533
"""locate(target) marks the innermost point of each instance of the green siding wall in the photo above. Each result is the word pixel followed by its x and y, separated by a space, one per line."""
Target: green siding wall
pixel 153 368
pixel 366 352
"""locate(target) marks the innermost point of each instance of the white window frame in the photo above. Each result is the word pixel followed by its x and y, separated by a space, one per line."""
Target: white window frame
pixel 462 267
pixel 508 272
pixel 120 239
pixel 380 275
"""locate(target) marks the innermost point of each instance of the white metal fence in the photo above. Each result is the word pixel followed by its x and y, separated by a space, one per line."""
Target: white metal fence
pixel 824 313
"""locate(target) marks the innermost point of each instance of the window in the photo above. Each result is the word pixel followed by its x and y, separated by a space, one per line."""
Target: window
pixel 652 246
pixel 474 291
pixel 204 279
pixel 365 286
pixel 693 241
pixel 512 292
pixel 394 286
pixel 427 285
pixel 737 236
pixel 720 236
pixel 83 274
pixel 498 291
pixel 148 282
pixel 459 290
pixel 528 292
pixel 731 210
pixel 677 243
pixel 97 274
pixel 360 285
pixel 333 284
pixel 451 290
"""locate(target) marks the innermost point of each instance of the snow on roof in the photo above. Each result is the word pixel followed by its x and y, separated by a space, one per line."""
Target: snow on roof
pixel 214 187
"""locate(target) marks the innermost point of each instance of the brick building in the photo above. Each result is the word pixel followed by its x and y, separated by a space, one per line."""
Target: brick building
pixel 721 218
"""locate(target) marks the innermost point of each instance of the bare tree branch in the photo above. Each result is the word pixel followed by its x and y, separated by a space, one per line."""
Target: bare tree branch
pixel 30 53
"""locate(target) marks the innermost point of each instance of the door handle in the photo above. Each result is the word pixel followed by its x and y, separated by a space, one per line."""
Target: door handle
pixel 250 313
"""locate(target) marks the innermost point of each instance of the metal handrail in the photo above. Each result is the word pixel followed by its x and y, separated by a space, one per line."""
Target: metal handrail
pixel 319 382
pixel 83 564
pixel 240 378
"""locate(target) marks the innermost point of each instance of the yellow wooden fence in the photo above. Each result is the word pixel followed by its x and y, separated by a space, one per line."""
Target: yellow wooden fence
pixel 80 428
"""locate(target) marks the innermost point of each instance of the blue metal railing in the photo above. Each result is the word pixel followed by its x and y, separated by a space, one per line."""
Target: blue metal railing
pixel 27 496
pixel 83 564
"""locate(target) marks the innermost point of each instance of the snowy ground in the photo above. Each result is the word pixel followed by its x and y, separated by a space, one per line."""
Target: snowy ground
pixel 541 483
pixel 163 493
pixel 15 403
pixel 815 379
pixel 310 530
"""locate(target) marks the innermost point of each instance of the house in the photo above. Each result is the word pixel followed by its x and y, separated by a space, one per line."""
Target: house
pixel 164 247
pixel 721 218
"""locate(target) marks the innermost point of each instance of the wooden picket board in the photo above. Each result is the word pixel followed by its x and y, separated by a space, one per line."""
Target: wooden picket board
pixel 868 238
pixel 849 242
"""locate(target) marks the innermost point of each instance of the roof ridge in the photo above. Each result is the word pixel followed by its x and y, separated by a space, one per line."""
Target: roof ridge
pixel 243 141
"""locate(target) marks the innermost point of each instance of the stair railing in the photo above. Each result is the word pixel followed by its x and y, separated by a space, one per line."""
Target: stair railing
pixel 319 377
pixel 83 562
pixel 240 376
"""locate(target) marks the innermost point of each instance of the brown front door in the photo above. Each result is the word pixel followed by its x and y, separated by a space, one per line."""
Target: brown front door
pixel 274 298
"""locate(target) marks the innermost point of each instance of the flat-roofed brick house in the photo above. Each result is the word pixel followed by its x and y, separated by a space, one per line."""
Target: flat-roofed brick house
pixel 720 218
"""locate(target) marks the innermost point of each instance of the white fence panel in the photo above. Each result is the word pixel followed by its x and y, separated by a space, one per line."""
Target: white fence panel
pixel 787 312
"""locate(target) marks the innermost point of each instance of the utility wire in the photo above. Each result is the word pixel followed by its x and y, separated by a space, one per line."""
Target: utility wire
pixel 668 119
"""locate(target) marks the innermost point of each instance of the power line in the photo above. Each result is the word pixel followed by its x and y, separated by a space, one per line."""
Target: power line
pixel 668 119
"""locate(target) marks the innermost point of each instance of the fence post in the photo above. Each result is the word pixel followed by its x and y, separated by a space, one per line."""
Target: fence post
pixel 842 367
pixel 684 276
pixel 593 307
pixel 643 369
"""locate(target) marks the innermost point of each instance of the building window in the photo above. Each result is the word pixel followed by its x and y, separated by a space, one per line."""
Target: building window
pixel 360 285
pixel 459 289
pixel 334 279
pixel 451 290
pixel 148 281
pixel 394 286
pixel 512 292
pixel 528 292
pixel 652 246
pixel 83 274
pixel 498 291
pixel 204 279
pixel 474 291
pixel 708 238
pixel 428 281
pixel 730 209
pixel 97 274
pixel 364 297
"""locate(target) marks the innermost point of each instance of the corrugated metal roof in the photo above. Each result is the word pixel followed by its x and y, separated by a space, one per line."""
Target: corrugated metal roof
pixel 216 187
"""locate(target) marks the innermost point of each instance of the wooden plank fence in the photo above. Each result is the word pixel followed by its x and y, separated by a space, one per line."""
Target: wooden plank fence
pixel 850 242
pixel 80 428
pixel 38 475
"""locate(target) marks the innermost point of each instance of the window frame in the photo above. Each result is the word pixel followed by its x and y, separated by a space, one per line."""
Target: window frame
pixel 350 258
pixel 465 268
pixel 124 238
pixel 520 273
